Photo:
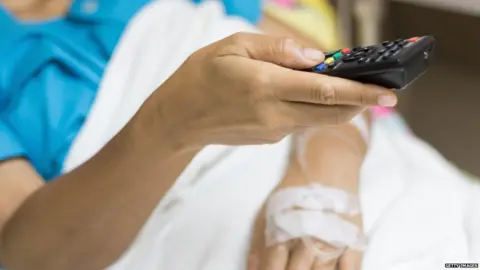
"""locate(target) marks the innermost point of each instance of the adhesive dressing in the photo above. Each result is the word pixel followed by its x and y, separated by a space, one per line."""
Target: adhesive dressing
pixel 312 212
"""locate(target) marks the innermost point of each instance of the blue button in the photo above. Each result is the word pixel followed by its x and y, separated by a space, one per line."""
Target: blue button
pixel 320 67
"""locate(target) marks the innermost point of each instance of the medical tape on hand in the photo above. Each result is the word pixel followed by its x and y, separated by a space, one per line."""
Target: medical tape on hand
pixel 313 211
pixel 314 197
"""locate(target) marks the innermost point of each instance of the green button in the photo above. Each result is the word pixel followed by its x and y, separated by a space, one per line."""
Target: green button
pixel 337 56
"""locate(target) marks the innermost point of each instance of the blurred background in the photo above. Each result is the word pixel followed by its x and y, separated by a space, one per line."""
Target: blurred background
pixel 442 107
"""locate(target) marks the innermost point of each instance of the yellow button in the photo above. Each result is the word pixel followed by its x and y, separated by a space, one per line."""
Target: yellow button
pixel 329 61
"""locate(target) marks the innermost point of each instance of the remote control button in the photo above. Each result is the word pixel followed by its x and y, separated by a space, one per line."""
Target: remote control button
pixel 349 59
pixel 385 43
pixel 394 49
pixel 359 54
pixel 371 51
pixel 368 60
pixel 382 51
pixel 398 40
pixel 329 54
pixel 386 56
pixel 379 59
pixel 333 65
pixel 368 48
pixel 389 45
pixel 356 49
pixel 413 39
pixel 329 61
pixel 403 43
pixel 320 67
pixel 361 60
pixel 346 50
pixel 337 56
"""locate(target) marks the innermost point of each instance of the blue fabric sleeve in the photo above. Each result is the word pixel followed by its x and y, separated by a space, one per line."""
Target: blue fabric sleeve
pixel 10 146
pixel 250 10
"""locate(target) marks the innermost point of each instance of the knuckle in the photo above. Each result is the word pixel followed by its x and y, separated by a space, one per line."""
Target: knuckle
pixel 260 80
pixel 281 44
pixel 325 94
pixel 279 49
pixel 269 120
pixel 366 97
pixel 274 126
pixel 238 38
pixel 362 99
pixel 278 137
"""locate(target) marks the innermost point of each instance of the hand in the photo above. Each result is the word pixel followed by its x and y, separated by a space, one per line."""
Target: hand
pixel 294 255
pixel 245 90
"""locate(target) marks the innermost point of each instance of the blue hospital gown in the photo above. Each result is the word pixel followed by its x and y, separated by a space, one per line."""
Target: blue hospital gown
pixel 50 72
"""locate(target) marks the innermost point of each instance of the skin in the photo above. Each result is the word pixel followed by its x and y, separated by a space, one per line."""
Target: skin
pixel 99 208
pixel 333 161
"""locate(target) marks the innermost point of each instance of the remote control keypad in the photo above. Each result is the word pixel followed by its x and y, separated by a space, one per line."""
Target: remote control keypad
pixel 363 55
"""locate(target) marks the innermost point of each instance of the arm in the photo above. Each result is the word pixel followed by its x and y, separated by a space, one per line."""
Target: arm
pixel 333 157
pixel 87 218
pixel 17 181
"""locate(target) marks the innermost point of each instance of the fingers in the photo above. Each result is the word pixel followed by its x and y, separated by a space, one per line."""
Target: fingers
pixel 307 115
pixel 321 265
pixel 351 260
pixel 329 263
pixel 301 258
pixel 257 248
pixel 299 86
pixel 281 51
pixel 276 257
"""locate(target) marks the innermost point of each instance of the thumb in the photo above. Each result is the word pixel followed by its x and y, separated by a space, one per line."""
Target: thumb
pixel 281 51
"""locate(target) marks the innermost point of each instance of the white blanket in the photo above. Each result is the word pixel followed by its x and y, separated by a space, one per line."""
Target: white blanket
pixel 419 211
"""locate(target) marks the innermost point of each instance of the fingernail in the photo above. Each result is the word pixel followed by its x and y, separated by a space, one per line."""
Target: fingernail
pixel 387 101
pixel 312 54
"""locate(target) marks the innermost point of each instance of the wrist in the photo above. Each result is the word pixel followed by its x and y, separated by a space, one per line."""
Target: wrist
pixel 170 116
pixel 154 137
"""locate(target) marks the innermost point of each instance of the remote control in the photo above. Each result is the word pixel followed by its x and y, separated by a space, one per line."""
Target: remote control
pixel 392 64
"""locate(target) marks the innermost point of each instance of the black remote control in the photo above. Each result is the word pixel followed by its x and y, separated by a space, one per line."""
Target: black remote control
pixel 392 64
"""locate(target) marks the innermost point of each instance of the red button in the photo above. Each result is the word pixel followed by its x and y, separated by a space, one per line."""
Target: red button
pixel 346 50
pixel 413 39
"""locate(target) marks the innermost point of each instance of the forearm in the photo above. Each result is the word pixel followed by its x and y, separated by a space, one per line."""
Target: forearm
pixel 87 218
pixel 332 157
